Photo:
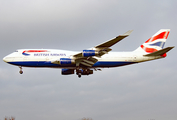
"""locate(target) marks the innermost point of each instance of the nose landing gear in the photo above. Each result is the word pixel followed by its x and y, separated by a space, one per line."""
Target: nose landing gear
pixel 21 72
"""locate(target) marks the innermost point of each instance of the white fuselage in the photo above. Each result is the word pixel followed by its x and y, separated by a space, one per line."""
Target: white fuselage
pixel 45 58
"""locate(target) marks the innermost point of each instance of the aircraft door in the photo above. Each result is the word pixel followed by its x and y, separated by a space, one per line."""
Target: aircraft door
pixel 134 58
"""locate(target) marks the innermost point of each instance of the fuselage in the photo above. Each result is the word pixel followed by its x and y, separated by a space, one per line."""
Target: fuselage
pixel 44 58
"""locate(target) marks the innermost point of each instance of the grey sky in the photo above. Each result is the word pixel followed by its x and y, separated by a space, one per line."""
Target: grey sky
pixel 136 92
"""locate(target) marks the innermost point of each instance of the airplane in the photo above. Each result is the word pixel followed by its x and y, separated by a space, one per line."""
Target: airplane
pixel 95 58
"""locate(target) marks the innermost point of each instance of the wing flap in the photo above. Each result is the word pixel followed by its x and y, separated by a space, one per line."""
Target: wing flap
pixel 88 62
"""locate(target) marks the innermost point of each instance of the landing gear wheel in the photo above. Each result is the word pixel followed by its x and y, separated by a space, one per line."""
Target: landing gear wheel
pixel 21 72
pixel 79 76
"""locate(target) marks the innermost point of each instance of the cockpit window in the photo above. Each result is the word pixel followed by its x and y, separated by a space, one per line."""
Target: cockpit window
pixel 16 51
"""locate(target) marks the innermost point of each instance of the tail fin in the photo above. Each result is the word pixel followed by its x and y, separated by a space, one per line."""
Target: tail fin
pixel 155 43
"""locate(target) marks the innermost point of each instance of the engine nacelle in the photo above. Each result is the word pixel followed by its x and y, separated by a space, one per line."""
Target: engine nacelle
pixel 66 61
pixel 67 71
pixel 88 53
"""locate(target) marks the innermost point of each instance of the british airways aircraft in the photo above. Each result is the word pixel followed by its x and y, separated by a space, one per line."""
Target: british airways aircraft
pixel 83 63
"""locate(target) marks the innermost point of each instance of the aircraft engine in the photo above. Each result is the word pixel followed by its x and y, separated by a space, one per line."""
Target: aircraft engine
pixel 88 53
pixel 67 71
pixel 66 61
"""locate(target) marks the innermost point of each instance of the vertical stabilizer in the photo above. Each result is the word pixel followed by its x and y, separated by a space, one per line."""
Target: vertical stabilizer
pixel 155 43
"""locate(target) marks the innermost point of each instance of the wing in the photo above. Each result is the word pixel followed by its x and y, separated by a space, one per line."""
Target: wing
pixel 104 47
pixel 86 57
pixel 114 41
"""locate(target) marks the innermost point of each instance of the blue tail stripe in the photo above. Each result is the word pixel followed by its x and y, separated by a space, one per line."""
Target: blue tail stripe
pixel 160 44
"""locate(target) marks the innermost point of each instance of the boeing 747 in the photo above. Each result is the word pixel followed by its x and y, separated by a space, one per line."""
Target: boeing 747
pixel 95 58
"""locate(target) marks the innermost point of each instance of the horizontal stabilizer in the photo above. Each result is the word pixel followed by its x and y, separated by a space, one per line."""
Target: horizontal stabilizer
pixel 160 52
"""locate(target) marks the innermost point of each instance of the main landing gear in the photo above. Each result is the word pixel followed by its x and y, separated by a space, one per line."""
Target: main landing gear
pixel 79 75
pixel 83 71
pixel 78 72
pixel 21 72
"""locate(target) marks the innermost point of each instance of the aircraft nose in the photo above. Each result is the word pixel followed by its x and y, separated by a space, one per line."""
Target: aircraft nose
pixel 9 58
pixel 5 59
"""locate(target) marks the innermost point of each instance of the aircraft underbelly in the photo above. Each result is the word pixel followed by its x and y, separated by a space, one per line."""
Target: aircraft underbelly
pixel 49 64
pixel 111 63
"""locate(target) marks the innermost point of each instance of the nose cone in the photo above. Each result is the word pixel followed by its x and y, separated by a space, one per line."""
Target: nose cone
pixel 5 59
pixel 8 59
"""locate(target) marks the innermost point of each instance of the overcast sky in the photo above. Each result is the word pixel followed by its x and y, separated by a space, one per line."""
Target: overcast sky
pixel 137 92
